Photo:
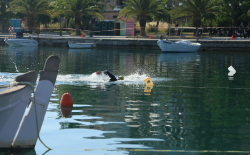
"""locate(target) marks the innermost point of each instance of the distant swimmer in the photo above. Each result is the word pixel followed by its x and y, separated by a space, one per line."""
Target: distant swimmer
pixel 112 77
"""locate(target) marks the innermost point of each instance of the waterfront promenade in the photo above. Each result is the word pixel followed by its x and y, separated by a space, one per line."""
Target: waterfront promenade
pixel 208 44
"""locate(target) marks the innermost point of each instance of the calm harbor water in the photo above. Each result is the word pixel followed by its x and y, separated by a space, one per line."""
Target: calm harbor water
pixel 194 107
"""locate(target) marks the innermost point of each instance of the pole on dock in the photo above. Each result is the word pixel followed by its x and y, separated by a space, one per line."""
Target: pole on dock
pixel 196 34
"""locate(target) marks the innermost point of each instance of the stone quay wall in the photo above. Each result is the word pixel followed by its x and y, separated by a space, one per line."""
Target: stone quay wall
pixel 207 45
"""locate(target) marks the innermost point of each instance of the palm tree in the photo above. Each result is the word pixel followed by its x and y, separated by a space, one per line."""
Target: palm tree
pixel 141 9
pixel 196 9
pixel 78 8
pixel 31 9
pixel 0 7
pixel 160 16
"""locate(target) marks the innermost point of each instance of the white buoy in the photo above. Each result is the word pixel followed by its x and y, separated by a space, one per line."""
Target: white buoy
pixel 232 71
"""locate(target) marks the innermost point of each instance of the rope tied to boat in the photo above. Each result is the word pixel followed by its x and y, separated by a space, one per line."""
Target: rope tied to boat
pixel 32 86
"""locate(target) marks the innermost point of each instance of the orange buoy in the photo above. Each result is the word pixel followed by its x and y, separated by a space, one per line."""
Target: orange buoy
pixel 82 36
pixel 66 99
pixel 150 36
pixel 232 38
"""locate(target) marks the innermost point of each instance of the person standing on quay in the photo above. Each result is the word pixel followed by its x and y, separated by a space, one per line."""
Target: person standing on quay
pixel 176 28
pixel 242 30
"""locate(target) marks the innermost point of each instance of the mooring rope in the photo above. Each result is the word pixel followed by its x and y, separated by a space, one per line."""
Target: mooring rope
pixel 32 86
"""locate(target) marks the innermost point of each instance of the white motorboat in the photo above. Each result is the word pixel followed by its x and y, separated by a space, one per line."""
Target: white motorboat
pixel 179 46
pixel 74 44
pixel 81 45
pixel 22 41
pixel 22 115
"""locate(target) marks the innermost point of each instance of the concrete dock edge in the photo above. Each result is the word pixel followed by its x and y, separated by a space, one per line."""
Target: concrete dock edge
pixel 207 45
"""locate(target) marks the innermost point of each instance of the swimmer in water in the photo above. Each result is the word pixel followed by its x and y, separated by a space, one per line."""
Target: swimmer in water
pixel 112 77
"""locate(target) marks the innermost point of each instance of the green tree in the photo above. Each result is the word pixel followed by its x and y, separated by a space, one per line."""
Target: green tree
pixel 4 15
pixel 162 15
pixel 142 9
pixel 31 9
pixel 0 7
pixel 196 9
pixel 233 14
pixel 243 11
pixel 44 19
pixel 78 8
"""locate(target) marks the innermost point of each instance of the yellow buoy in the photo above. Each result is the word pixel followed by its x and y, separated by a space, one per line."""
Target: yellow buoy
pixel 149 85
pixel 148 81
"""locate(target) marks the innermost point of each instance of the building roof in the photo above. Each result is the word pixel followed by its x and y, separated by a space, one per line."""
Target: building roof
pixel 124 19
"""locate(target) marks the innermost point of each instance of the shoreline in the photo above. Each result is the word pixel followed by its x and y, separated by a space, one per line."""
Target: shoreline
pixel 207 44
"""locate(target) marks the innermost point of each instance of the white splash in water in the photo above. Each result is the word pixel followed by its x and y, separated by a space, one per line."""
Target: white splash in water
pixel 7 78
pixel 92 80
pixel 15 65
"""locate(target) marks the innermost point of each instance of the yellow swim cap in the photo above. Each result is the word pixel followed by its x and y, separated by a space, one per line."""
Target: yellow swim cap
pixel 121 77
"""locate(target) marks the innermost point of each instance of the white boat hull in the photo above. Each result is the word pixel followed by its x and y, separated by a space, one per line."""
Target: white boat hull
pixel 82 45
pixel 19 131
pixel 26 136
pixel 14 101
pixel 180 46
pixel 11 115
pixel 21 42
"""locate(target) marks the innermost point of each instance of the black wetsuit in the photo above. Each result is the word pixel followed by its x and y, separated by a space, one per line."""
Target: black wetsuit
pixel 112 77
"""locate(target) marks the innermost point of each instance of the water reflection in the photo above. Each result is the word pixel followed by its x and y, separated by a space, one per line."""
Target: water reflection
pixel 66 111
pixel 177 57
pixel 193 107
pixel 21 152
pixel 177 63
pixel 18 59
pixel 20 49
pixel 80 50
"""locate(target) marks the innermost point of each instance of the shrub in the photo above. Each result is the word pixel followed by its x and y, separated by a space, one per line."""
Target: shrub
pixel 151 28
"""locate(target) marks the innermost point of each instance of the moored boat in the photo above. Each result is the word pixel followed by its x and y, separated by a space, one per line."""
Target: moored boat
pixel 14 101
pixel 22 41
pixel 81 45
pixel 179 46
pixel 16 130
